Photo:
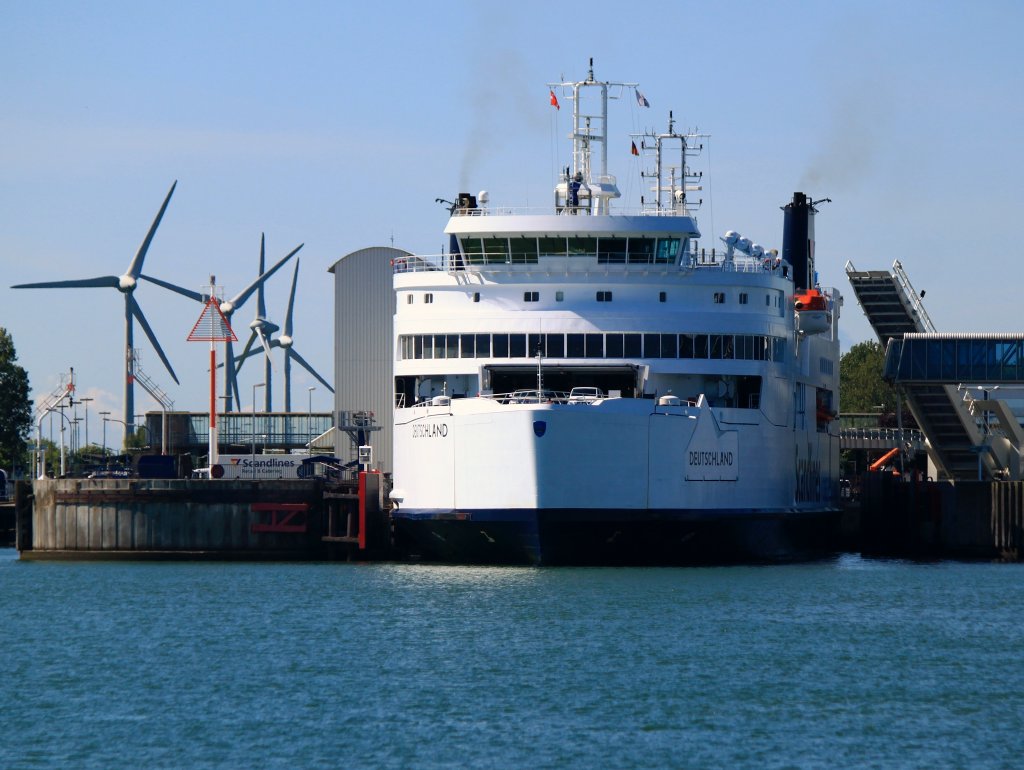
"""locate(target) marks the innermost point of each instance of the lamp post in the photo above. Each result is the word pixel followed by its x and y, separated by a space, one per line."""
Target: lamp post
pixel 114 420
pixel 54 410
pixel 104 416
pixel 252 463
pixel 86 402
pixel 309 420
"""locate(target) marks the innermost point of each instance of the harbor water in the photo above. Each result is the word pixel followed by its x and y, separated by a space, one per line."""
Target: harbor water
pixel 846 662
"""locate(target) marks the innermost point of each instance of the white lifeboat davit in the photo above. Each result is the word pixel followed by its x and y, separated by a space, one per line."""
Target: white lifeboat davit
pixel 812 315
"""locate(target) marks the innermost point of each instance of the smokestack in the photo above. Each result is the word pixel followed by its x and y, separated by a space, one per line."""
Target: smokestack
pixel 798 239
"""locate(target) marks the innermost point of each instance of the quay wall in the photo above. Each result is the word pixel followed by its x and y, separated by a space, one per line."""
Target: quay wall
pixel 174 518
pixel 942 520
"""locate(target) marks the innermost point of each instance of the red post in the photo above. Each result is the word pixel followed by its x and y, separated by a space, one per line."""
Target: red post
pixel 362 510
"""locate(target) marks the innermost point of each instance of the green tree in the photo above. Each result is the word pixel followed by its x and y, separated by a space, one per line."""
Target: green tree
pixel 15 406
pixel 861 387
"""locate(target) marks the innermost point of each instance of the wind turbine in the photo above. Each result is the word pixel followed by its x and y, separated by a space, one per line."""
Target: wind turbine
pixel 126 284
pixel 228 307
pixel 261 327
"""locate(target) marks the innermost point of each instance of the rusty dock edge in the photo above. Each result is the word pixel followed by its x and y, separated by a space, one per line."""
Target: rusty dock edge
pixel 184 519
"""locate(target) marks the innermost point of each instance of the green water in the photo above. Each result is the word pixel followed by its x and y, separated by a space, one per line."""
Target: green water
pixel 846 663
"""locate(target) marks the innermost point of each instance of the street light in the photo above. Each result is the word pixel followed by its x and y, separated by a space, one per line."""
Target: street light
pixel 104 416
pixel 112 419
pixel 86 402
pixel 309 420
pixel 252 463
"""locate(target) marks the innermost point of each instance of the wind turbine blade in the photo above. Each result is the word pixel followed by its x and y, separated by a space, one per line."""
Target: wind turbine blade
pixel 135 268
pixel 244 295
pixel 291 302
pixel 245 351
pixel 261 305
pixel 103 280
pixel 308 368
pixel 177 289
pixel 254 352
pixel 263 339
pixel 137 312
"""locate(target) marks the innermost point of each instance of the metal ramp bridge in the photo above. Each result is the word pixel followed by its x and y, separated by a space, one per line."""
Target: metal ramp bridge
pixel 958 443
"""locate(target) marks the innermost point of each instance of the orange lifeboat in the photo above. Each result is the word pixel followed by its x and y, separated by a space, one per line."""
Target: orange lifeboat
pixel 812 316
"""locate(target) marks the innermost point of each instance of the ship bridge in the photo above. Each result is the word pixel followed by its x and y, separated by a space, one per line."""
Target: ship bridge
pixel 949 381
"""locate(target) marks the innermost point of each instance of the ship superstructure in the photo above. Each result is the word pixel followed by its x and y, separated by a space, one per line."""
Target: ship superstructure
pixel 587 384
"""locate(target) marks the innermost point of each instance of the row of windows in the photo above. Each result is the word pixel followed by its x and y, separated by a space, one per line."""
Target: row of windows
pixel 747 347
pixel 606 296
pixel 527 250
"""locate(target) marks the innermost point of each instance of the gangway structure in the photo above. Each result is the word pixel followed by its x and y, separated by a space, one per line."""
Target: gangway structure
pixel 997 360
pixel 894 309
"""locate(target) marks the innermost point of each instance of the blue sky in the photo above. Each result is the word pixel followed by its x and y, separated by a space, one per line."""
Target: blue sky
pixel 337 127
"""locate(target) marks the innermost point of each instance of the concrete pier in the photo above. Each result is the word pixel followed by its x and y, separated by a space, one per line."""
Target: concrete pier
pixel 942 520
pixel 175 518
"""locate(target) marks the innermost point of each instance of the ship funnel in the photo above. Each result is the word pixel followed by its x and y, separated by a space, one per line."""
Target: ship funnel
pixel 798 239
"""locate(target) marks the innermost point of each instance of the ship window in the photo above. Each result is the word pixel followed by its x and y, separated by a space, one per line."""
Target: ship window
pixel 524 250
pixel 613 345
pixel 428 298
pixel 716 346
pixel 611 251
pixel 604 296
pixel 641 250
pixel 719 297
pixel 686 346
pixel 555 345
pixel 743 298
pixel 468 346
pixel 517 346
pixel 500 345
pixel 409 300
pixel 483 345
pixel 559 296
pixel 428 346
pixel 652 346
pixel 744 347
pixel 495 250
pixel 472 249
pixel 453 346
pixel 767 300
pixel 534 341
pixel 662 296
pixel 668 251
pixel 531 296
pixel 552 247
pixel 728 347
pixel 668 346
pixel 582 247
pixel 700 346
pixel 440 347
pixel 595 346
pixel 632 345
pixel 476 296
pixel 575 347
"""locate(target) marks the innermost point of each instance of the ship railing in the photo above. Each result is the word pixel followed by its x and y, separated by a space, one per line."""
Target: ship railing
pixel 460 264
pixel 583 210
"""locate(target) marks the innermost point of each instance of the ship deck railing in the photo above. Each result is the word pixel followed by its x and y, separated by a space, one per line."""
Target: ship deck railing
pixel 583 264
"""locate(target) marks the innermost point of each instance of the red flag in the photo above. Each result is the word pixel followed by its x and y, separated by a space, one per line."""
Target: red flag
pixel 635 151
pixel 554 101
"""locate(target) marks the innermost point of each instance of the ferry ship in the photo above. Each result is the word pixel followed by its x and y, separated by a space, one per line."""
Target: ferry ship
pixel 588 385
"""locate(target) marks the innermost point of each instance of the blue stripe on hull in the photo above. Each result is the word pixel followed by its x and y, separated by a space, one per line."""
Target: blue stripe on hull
pixel 572 536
